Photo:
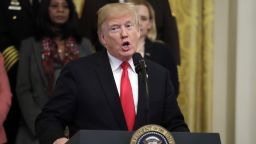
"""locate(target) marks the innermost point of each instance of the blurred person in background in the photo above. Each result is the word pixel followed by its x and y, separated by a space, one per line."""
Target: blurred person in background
pixel 56 43
pixel 151 48
pixel 5 99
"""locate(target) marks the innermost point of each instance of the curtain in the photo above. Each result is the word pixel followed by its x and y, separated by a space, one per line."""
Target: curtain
pixel 195 26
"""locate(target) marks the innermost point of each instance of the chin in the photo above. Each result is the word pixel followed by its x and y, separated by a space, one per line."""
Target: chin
pixel 127 55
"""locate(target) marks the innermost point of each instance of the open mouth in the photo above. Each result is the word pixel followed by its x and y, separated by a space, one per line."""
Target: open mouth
pixel 125 45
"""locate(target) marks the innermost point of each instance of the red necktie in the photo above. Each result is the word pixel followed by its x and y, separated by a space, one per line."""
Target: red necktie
pixel 127 97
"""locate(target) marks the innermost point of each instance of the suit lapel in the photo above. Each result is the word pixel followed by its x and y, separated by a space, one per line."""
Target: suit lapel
pixel 106 78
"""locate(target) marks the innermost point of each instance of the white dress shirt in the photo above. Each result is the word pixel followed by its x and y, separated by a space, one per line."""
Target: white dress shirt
pixel 117 72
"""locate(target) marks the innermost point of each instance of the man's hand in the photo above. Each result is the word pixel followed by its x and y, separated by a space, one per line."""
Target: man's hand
pixel 60 141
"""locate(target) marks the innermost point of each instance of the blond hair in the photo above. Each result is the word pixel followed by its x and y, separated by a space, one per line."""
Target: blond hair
pixel 116 9
pixel 152 33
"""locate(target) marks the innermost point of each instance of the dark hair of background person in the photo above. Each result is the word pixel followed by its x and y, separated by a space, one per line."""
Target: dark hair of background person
pixel 44 25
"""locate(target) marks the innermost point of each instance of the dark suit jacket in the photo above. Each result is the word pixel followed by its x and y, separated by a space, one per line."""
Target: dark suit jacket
pixel 86 97
pixel 160 53
pixel 165 23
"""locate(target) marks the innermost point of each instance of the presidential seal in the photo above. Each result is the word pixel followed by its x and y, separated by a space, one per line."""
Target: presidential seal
pixel 152 134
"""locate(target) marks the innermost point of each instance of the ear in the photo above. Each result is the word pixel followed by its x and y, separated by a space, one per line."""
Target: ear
pixel 102 38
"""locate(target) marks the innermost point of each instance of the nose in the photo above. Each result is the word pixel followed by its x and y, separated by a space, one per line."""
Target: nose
pixel 123 32
pixel 60 8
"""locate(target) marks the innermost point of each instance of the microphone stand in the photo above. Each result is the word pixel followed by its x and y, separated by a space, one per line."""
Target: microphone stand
pixel 141 69
pixel 145 77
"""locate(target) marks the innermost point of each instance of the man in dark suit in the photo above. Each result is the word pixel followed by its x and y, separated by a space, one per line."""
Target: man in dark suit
pixel 166 23
pixel 89 93
pixel 16 24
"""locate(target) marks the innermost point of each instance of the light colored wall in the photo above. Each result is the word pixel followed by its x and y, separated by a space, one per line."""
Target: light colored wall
pixel 224 67
pixel 245 129
pixel 234 77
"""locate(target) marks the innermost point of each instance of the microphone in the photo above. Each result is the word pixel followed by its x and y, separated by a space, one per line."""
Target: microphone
pixel 140 65
pixel 141 70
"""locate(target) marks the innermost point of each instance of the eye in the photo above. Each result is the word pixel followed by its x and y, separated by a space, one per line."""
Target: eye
pixel 54 5
pixel 65 6
pixel 115 28
pixel 129 25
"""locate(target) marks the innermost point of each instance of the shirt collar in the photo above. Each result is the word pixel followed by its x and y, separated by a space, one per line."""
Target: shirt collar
pixel 115 63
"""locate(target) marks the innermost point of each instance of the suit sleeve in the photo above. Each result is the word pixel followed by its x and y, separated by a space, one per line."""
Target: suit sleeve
pixel 173 118
pixel 172 66
pixel 59 110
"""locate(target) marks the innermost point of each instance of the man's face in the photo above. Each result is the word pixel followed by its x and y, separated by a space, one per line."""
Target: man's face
pixel 120 35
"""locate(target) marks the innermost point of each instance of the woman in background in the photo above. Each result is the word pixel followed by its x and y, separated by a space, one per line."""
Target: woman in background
pixel 42 57
pixel 5 99
pixel 151 48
